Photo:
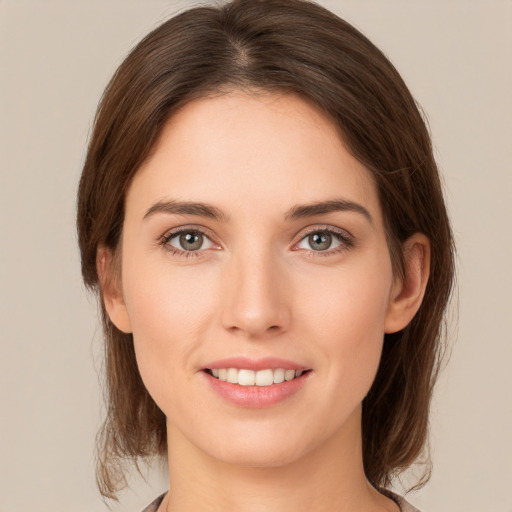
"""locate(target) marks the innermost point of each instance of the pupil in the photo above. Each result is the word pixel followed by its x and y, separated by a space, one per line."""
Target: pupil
pixel 320 241
pixel 191 241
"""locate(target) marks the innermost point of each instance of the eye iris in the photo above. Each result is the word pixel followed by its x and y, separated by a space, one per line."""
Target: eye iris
pixel 320 241
pixel 191 241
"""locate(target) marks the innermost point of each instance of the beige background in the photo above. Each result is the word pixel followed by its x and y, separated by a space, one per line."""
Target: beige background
pixel 55 59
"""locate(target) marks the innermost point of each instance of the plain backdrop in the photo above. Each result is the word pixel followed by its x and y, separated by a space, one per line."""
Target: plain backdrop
pixel 55 60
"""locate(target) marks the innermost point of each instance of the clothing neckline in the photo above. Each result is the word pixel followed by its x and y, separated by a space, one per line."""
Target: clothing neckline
pixel 403 505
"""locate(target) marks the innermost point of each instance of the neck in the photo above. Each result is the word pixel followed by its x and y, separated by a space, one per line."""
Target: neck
pixel 330 478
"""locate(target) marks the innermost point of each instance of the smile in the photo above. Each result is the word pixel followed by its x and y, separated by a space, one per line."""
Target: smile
pixel 244 377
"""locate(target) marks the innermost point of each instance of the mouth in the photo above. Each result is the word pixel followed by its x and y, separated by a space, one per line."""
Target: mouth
pixel 246 377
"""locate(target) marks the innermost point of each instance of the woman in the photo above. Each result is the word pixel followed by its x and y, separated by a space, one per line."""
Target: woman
pixel 261 216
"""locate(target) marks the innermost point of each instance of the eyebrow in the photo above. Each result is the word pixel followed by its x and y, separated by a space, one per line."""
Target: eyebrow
pixel 187 208
pixel 324 207
pixel 294 213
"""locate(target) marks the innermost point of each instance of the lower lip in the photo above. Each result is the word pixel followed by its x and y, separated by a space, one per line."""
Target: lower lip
pixel 256 397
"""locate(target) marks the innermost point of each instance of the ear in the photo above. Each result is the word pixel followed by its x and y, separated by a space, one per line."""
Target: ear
pixel 109 273
pixel 407 293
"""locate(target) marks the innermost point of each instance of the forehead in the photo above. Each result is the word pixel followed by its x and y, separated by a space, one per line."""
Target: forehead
pixel 251 150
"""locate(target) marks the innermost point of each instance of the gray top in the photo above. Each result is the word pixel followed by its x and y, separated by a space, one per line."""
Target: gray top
pixel 404 505
pixel 152 507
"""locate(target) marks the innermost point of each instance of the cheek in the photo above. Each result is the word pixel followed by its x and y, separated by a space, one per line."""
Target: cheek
pixel 352 299
pixel 347 316
pixel 166 299
pixel 168 313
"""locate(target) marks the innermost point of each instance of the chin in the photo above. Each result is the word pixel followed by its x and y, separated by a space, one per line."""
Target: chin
pixel 253 458
pixel 260 451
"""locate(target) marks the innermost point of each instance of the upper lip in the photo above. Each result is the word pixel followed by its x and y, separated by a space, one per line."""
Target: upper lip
pixel 263 363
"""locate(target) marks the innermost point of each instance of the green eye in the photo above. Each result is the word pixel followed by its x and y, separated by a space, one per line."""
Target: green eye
pixel 189 241
pixel 321 241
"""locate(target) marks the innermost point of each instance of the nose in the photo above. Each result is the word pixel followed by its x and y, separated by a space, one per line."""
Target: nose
pixel 256 300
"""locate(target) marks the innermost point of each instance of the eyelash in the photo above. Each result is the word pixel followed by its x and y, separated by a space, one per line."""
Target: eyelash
pixel 346 240
pixel 164 242
pixel 343 237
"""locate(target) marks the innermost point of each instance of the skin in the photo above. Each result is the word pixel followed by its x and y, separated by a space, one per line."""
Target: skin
pixel 257 288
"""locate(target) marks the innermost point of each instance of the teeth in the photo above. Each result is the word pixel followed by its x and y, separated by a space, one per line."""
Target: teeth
pixel 289 375
pixel 279 376
pixel 263 377
pixel 245 377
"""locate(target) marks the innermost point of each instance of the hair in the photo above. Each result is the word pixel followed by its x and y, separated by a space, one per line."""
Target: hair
pixel 291 47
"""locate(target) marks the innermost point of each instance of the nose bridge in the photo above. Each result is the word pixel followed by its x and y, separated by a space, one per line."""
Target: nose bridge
pixel 256 300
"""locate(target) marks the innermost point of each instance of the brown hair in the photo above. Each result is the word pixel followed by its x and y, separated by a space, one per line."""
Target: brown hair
pixel 290 46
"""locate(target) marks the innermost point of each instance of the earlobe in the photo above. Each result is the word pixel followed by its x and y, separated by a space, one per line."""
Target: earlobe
pixel 111 291
pixel 407 294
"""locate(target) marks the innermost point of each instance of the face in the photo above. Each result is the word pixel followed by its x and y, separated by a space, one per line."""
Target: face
pixel 254 241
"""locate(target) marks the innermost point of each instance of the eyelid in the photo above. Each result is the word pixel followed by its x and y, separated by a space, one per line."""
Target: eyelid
pixel 190 228
pixel 343 235
pixel 346 238
pixel 187 227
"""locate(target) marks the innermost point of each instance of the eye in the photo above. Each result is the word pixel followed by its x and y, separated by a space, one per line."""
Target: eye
pixel 324 240
pixel 188 240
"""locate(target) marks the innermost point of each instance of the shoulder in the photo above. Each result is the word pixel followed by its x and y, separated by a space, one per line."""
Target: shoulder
pixel 153 506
